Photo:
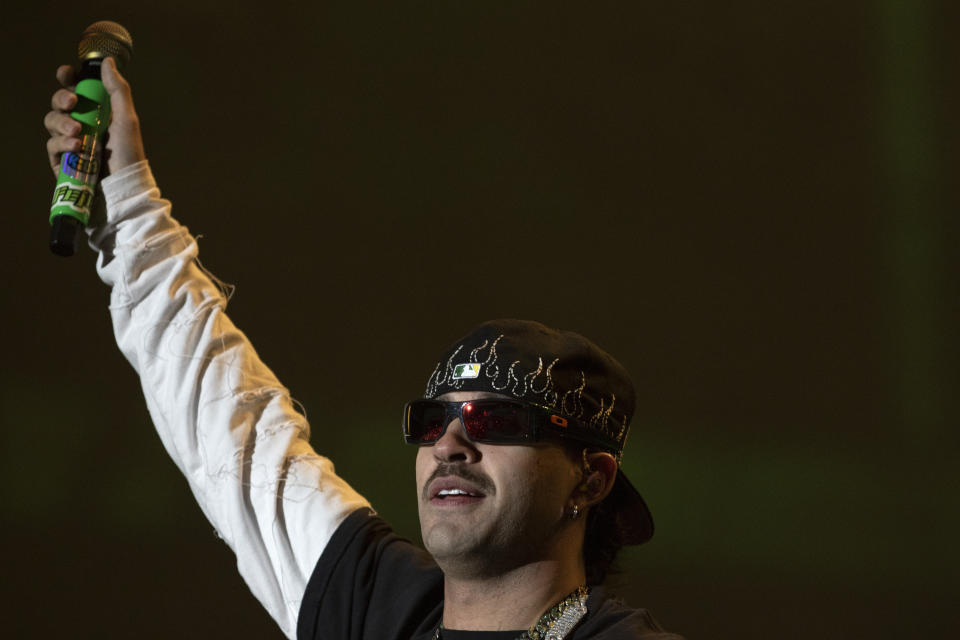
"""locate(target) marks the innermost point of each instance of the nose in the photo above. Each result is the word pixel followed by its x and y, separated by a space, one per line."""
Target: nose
pixel 454 446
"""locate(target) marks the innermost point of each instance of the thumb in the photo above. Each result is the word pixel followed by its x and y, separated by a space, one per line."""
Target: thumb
pixel 116 85
pixel 125 146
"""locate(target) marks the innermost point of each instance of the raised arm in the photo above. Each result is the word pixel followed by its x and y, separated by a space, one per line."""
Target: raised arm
pixel 222 415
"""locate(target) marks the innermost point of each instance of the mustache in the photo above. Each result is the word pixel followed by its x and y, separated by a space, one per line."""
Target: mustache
pixel 443 470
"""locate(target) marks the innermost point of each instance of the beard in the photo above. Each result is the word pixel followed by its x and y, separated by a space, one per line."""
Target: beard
pixel 489 537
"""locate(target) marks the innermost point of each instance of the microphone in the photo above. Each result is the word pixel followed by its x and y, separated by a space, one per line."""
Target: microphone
pixel 73 195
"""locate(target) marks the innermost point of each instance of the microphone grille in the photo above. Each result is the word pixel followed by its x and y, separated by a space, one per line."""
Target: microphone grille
pixel 106 38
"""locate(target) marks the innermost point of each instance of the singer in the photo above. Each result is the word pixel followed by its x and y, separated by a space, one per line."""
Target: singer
pixel 520 435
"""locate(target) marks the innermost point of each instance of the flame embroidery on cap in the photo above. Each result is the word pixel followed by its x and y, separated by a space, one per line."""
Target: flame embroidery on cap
pixel 572 402
pixel 449 371
pixel 569 402
pixel 528 379
pixel 622 433
pixel 432 383
pixel 600 418
pixel 516 381
pixel 506 383
pixel 548 393
pixel 446 377
pixel 492 368
pixel 436 378
pixel 475 353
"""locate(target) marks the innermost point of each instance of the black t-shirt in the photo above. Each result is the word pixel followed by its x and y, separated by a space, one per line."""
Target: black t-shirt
pixel 371 583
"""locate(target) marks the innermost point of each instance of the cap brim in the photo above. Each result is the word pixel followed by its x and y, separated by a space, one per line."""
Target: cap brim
pixel 636 523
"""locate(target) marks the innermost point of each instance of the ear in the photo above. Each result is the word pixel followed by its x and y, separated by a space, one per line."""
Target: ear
pixel 599 474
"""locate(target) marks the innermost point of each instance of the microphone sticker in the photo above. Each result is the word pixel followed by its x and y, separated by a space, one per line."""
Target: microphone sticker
pixel 75 196
pixel 81 166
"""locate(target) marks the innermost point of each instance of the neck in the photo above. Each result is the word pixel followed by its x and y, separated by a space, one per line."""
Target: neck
pixel 513 600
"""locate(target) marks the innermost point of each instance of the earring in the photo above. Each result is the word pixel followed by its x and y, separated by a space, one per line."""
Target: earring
pixel 575 512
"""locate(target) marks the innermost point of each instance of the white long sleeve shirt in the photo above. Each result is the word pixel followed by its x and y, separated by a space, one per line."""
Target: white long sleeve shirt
pixel 222 415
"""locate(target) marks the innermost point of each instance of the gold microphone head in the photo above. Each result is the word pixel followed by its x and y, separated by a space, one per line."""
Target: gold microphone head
pixel 106 38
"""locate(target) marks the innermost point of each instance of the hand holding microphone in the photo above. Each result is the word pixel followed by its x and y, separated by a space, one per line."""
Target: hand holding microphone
pixel 124 145
pixel 95 102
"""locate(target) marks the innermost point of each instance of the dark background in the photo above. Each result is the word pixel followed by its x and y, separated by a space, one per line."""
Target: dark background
pixel 750 204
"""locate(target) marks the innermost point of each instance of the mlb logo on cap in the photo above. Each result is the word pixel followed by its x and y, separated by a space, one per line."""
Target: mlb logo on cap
pixel 466 370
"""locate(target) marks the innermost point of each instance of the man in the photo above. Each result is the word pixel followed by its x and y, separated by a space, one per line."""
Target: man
pixel 522 505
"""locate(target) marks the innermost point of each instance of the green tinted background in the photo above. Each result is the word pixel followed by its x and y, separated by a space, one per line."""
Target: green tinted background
pixel 751 205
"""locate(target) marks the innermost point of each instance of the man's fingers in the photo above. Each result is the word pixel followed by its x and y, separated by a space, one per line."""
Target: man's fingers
pixel 123 146
pixel 63 100
pixel 63 129
pixel 57 146
pixel 61 144
pixel 66 76
pixel 58 123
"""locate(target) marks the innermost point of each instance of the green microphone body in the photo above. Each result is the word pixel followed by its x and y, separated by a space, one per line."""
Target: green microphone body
pixel 79 170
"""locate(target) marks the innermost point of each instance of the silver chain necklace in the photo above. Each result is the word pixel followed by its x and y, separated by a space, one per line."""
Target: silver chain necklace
pixel 554 624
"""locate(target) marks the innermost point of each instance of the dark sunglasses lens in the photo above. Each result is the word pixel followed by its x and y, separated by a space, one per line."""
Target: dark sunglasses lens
pixel 495 421
pixel 425 421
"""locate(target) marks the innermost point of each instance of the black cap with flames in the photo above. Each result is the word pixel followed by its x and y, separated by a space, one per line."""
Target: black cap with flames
pixel 559 370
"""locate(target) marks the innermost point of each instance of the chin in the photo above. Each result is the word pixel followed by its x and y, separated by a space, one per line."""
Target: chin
pixel 459 547
pixel 457 559
pixel 467 550
pixel 445 538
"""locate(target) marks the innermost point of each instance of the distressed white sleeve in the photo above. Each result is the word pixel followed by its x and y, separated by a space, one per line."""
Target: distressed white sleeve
pixel 222 415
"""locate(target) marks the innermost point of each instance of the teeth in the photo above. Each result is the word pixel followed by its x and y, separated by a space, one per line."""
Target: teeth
pixel 452 492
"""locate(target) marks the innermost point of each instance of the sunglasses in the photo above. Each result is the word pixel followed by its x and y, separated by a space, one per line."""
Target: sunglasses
pixel 493 421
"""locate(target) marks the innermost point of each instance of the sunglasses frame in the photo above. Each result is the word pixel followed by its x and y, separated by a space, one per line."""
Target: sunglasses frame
pixel 541 423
